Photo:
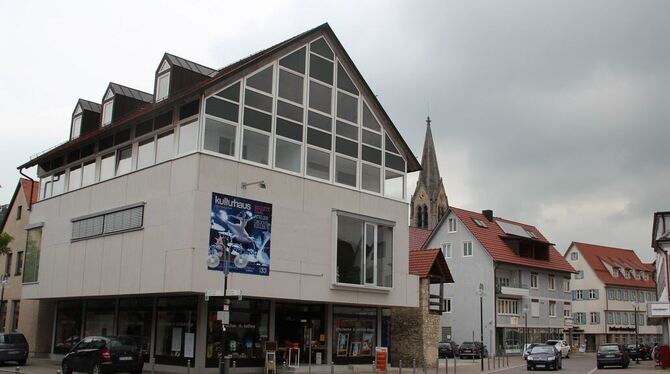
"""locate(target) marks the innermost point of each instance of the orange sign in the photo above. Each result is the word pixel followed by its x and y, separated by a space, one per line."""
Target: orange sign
pixel 381 359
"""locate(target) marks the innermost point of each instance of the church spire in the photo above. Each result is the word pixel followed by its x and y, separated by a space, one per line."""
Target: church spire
pixel 429 201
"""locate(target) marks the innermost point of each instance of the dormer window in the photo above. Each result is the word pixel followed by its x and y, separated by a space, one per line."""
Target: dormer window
pixel 645 276
pixel 162 87
pixel 107 112
pixel 637 274
pixel 626 274
pixel 76 127
pixel 615 272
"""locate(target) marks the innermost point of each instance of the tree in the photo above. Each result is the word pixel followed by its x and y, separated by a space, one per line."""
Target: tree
pixel 5 239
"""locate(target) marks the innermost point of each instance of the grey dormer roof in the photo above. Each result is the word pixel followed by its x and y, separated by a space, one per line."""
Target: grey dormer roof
pixel 90 106
pixel 118 89
pixel 189 65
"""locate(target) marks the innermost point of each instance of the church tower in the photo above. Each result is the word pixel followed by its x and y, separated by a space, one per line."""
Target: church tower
pixel 429 200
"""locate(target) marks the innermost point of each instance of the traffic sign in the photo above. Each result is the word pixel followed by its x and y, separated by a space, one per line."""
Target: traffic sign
pixel 219 293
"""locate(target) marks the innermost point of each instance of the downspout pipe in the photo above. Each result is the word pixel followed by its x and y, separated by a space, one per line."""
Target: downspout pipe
pixel 32 189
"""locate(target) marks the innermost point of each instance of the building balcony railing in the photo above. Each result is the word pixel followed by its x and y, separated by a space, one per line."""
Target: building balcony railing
pixel 512 289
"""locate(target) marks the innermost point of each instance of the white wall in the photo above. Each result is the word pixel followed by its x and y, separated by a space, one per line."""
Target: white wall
pixel 168 254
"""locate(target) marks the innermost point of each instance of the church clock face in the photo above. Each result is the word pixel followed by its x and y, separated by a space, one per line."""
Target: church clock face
pixel 422 195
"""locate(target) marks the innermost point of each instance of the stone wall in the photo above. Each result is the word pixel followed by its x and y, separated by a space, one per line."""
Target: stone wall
pixel 415 332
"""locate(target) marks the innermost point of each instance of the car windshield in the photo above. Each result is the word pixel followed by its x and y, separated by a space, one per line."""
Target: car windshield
pixel 122 344
pixel 608 348
pixel 542 349
pixel 553 342
pixel 468 344
pixel 530 347
pixel 12 338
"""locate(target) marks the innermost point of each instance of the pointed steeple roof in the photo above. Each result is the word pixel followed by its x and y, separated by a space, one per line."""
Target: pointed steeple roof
pixel 430 172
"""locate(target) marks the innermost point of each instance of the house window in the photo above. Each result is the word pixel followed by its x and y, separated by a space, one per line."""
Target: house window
pixel 107 166
pixel 533 280
pixel 617 318
pixel 452 224
pixel 8 263
pixel 593 294
pixel 567 310
pixel 107 112
pixel 611 294
pixel 447 305
pixel 162 87
pixel 595 318
pixel 579 274
pixel 88 173
pixel 535 308
pixel 619 294
pixel 566 284
pixel 108 223
pixel 610 318
pixel 552 309
pixel 467 249
pixel 579 295
pixel 508 307
pixel 552 282
pixel 479 223
pixel 124 160
pixel 76 127
pixel 502 281
pixel 74 178
pixel 19 263
pixel 624 318
pixel 645 275
pixel 626 273
pixel 574 256
pixel 615 272
pixel 188 137
pixel 16 307
pixel 364 252
pixel 18 212
pixel 446 250
pixel 32 253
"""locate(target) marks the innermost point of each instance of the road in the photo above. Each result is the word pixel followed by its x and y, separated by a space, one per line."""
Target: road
pixel 586 364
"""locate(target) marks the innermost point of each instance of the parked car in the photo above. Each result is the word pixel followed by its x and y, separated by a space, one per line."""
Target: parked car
pixel 447 349
pixel 13 347
pixel 562 347
pixel 544 356
pixel 640 351
pixel 104 355
pixel 472 350
pixel 527 348
pixel 612 354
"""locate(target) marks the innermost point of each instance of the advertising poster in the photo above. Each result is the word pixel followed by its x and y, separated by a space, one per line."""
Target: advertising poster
pixel 242 229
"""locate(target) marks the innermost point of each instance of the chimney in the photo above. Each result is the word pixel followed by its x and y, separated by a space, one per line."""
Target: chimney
pixel 488 214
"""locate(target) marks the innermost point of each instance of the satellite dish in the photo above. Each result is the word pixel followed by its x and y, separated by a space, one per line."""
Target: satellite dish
pixel 241 261
pixel 213 261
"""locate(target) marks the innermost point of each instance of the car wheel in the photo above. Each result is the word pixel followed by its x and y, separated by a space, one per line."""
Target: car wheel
pixel 66 368
pixel 529 368
pixel 600 366
pixel 96 369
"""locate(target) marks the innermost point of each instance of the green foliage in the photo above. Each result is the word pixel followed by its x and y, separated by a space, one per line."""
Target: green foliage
pixel 5 239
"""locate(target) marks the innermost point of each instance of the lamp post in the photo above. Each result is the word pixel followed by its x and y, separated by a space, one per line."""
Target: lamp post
pixel 480 292
pixel 636 304
pixel 525 327
pixel 213 261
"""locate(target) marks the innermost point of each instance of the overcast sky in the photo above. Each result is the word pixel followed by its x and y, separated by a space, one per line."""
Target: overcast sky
pixel 550 113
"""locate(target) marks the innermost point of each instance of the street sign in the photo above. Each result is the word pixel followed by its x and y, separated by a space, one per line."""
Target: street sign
pixel 219 293
pixel 223 316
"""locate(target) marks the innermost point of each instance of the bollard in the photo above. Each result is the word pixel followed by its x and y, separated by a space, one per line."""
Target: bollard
pixel 58 371
pixel 446 364
pixel 153 364
pixel 413 366
pixel 332 367
pixel 507 358
pixel 188 366
pixel 234 369
pixel 374 367
pixel 399 366
pixel 488 362
pixel 437 367
pixel 424 368
pixel 18 369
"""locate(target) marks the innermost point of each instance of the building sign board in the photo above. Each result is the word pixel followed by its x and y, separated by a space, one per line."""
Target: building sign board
pixel 241 228
pixel 656 310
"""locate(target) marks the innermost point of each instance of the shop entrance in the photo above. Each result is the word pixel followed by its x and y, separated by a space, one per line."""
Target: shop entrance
pixel 300 326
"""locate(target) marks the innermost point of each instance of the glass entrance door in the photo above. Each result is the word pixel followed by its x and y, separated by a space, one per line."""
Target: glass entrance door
pixel 300 326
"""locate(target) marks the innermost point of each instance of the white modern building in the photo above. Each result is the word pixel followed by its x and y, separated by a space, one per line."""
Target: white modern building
pixel 285 160
pixel 610 293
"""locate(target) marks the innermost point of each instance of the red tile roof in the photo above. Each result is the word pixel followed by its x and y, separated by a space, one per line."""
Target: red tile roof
pixel 425 262
pixel 417 238
pixel 598 255
pixel 491 238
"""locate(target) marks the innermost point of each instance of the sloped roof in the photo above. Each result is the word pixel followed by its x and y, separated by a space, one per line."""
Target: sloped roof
pixel 89 105
pixel 119 89
pixel 599 255
pixel 226 72
pixel 417 238
pixel 189 65
pixel 426 262
pixel 491 238
pixel 23 184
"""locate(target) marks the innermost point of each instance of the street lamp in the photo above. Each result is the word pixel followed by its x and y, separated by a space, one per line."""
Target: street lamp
pixel 480 292
pixel 636 304
pixel 525 328
pixel 213 261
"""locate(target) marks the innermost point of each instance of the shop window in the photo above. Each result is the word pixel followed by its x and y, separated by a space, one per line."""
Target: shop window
pixel 134 320
pixel 67 326
pixel 175 330
pixel 32 261
pixel 99 318
pixel 372 265
pixel 246 334
pixel 301 325
pixel 354 334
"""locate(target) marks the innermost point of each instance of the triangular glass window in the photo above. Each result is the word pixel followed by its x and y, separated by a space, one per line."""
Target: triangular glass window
pixel 344 82
pixel 231 93
pixel 77 110
pixel 164 66
pixel 390 146
pixel 108 95
pixel 295 61
pixel 369 119
pixel 262 80
pixel 321 48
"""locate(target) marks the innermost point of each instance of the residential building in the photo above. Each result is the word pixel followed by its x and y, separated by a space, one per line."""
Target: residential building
pixel 429 200
pixel 524 278
pixel 659 312
pixel 30 317
pixel 609 286
pixel 287 148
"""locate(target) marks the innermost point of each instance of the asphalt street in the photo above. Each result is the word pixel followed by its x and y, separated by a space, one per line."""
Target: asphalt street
pixel 586 364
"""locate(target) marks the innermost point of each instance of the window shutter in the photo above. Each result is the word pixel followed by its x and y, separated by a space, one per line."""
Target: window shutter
pixel 574 295
pixel 597 296
pixel 598 317
pixel 586 295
